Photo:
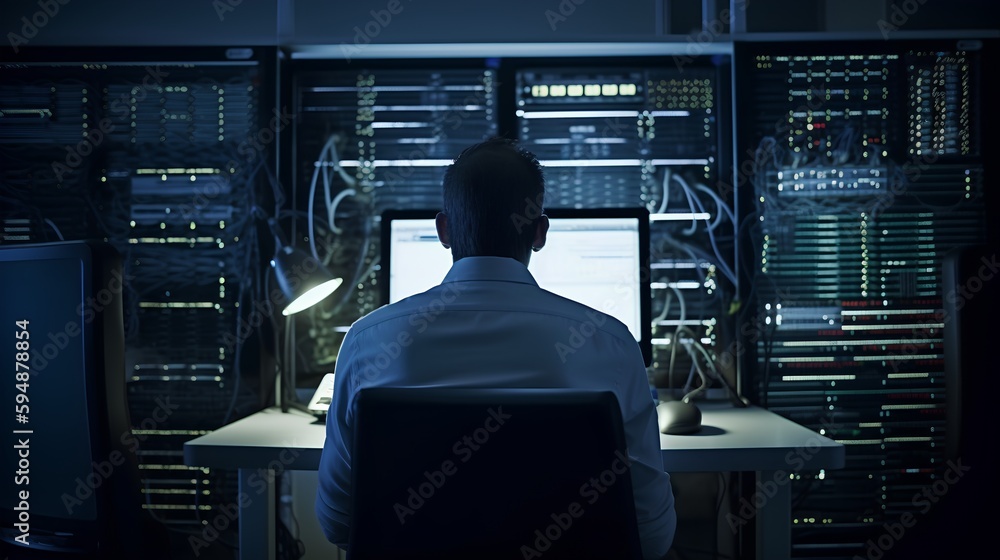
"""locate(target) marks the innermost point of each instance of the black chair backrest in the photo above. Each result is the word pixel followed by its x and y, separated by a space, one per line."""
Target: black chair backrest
pixel 490 473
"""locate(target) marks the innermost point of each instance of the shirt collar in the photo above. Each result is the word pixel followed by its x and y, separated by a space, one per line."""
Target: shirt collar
pixel 502 269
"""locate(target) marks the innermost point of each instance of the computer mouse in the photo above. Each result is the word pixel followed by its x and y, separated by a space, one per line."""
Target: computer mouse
pixel 678 417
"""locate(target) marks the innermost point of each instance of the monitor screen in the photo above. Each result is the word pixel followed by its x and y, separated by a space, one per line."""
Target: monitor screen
pixel 598 257
pixel 53 314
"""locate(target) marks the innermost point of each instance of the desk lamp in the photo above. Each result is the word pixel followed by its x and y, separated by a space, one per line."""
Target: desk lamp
pixel 304 281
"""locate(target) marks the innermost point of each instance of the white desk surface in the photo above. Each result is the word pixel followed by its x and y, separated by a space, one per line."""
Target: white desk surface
pixel 732 439
pixel 748 439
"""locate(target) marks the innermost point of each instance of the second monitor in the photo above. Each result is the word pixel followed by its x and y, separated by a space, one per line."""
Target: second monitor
pixel 598 257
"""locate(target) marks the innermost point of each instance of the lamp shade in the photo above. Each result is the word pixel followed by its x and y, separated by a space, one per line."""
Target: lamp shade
pixel 304 280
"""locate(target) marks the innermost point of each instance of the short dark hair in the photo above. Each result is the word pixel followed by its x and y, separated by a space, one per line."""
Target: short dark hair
pixel 493 196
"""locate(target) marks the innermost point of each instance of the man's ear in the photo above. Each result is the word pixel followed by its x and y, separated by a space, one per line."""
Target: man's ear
pixel 441 223
pixel 541 230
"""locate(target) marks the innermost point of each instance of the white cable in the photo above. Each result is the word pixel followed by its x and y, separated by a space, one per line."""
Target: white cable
pixel 312 195
pixel 326 181
pixel 667 300
pixel 309 215
pixel 680 300
pixel 666 191
pixel 53 225
pixel 723 207
pixel 333 208
pixel 701 374
pixel 335 159
pixel 692 199
pixel 701 348
pixel 694 360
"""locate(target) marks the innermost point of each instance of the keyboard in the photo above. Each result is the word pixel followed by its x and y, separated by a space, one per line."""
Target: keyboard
pixel 319 404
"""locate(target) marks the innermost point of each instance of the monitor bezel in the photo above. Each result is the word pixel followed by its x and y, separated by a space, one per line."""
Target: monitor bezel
pixel 641 214
pixel 103 344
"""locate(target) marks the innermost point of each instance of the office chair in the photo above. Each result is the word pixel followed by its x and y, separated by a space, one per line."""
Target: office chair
pixel 490 474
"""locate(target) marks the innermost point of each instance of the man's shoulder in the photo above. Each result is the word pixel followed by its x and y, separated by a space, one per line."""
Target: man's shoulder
pixel 574 310
pixel 434 298
pixel 536 304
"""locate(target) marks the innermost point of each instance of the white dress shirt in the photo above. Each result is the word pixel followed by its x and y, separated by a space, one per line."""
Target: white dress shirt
pixel 491 306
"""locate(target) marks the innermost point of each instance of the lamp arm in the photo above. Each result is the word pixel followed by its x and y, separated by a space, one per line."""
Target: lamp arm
pixel 279 235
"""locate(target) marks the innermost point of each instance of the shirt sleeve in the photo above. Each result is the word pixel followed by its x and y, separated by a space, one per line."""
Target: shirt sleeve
pixel 654 499
pixel 333 496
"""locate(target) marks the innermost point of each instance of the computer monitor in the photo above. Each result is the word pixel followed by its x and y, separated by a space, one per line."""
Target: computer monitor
pixel 71 480
pixel 598 257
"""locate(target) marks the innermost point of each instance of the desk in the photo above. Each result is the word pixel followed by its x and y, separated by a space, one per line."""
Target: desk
pixel 270 442
pixel 754 439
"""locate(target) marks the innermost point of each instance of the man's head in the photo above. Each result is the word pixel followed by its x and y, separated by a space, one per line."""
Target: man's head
pixel 493 203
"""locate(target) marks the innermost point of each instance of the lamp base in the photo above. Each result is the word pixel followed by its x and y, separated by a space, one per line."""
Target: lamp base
pixel 286 405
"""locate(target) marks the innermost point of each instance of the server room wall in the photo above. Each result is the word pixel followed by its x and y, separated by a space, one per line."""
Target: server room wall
pixel 214 269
